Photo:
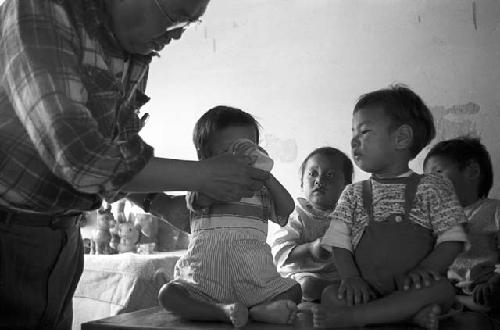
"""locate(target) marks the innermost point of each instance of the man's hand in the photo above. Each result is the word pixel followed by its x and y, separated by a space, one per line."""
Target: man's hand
pixel 355 290
pixel 227 177
pixel 420 277
pixel 318 253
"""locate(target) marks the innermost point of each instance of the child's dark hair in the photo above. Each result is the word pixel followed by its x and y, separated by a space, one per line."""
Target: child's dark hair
pixel 403 106
pixel 347 166
pixel 216 119
pixel 462 151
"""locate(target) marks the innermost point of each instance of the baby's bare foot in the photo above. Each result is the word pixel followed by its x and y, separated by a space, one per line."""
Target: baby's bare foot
pixel 338 317
pixel 323 318
pixel 428 317
pixel 280 312
pixel 237 313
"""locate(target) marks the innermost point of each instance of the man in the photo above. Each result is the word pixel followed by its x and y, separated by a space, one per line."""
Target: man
pixel 73 75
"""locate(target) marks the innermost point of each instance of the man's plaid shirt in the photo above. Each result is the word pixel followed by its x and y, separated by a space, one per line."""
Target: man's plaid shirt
pixel 69 100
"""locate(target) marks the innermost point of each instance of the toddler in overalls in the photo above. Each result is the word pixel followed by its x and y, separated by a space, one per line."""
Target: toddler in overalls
pixel 392 236
pixel 228 273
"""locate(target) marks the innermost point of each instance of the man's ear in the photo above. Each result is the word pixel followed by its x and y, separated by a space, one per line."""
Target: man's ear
pixel 403 136
pixel 472 170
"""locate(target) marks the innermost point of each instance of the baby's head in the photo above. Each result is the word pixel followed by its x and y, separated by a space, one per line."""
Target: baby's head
pixel 324 174
pixel 215 131
pixel 467 163
pixel 390 127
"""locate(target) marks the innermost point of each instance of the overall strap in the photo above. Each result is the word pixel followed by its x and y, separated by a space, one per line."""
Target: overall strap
pixel 368 198
pixel 410 192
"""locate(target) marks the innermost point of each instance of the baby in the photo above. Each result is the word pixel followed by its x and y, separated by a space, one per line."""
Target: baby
pixel 466 162
pixel 228 273
pixel 324 174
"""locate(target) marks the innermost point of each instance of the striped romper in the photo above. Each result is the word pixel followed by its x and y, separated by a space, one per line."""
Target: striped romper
pixel 228 259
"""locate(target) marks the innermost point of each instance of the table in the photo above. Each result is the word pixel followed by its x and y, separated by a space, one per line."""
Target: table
pixel 156 318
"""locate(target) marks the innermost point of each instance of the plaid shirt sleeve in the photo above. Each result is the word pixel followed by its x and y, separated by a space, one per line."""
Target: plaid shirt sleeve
pixel 42 77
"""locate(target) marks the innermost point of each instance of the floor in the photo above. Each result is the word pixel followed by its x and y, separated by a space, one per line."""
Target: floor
pixel 158 319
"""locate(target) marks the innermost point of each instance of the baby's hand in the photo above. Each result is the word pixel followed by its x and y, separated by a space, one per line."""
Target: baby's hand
pixel 484 293
pixel 420 277
pixel 317 252
pixel 355 291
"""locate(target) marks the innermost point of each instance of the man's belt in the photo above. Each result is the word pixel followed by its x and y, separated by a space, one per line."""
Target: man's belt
pixel 39 220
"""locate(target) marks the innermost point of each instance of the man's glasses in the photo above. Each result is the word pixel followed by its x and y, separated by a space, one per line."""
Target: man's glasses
pixel 184 23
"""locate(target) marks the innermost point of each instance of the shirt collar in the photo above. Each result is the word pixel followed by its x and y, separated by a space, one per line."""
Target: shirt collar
pixel 402 175
pixel 312 211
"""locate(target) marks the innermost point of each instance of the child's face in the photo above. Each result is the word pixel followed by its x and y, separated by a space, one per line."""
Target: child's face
pixel 222 140
pixel 323 180
pixel 450 170
pixel 372 143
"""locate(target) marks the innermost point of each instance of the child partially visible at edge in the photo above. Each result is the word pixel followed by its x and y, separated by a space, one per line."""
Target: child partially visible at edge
pixel 466 162
pixel 324 173
pixel 395 235
pixel 228 273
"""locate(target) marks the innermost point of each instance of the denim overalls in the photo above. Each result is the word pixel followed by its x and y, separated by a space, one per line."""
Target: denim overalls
pixel 389 249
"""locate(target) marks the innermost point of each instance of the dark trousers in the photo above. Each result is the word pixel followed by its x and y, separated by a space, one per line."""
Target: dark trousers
pixel 39 270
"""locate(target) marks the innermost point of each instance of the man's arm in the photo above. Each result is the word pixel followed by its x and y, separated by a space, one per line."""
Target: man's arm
pixel 172 209
pixel 225 177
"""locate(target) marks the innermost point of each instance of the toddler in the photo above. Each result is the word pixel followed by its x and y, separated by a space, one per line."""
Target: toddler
pixel 394 235
pixel 466 162
pixel 324 174
pixel 228 273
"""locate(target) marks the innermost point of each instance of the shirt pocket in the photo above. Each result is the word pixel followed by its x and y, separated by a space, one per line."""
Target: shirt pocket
pixel 104 98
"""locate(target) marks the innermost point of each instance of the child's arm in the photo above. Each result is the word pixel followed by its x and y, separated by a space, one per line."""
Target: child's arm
pixel 172 209
pixel 283 202
pixel 310 250
pixel 289 245
pixel 436 263
pixel 352 287
pixel 446 218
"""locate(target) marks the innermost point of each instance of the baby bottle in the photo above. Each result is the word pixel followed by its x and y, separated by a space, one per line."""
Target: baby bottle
pixel 258 156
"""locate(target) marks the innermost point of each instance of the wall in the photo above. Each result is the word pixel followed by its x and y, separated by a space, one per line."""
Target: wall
pixel 299 66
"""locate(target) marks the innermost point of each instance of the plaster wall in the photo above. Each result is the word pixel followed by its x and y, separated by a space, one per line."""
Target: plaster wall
pixel 300 65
